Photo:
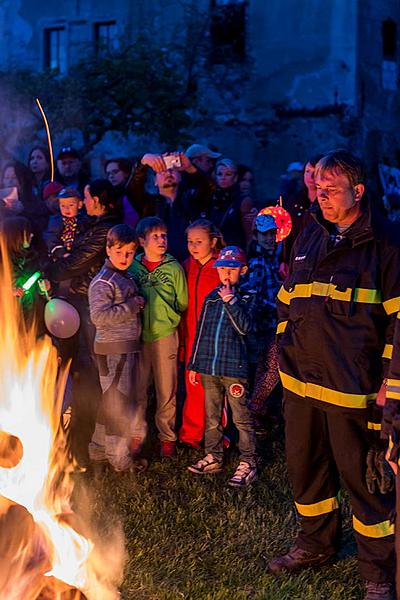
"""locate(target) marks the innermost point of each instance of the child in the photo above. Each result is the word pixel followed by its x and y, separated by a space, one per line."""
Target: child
pixel 263 279
pixel 219 354
pixel 203 240
pixel 115 308
pixel 162 282
pixel 63 228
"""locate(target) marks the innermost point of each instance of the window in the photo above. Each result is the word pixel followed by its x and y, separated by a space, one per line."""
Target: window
pixel 55 49
pixel 228 30
pixel 389 39
pixel 105 37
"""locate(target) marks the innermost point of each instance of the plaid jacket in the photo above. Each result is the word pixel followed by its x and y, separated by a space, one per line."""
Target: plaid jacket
pixel 263 279
pixel 220 347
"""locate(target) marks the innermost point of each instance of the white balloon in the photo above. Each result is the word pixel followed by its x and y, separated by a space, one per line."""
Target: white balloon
pixel 61 318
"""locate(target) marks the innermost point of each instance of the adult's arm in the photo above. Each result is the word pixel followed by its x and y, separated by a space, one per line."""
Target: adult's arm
pixel 84 255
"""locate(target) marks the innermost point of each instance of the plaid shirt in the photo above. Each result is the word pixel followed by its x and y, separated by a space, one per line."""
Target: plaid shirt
pixel 220 347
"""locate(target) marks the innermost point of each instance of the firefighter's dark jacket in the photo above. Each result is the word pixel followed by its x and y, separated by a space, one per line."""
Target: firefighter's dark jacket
pixel 337 310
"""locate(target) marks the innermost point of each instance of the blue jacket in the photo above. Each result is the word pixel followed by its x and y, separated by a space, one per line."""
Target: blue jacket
pixel 220 347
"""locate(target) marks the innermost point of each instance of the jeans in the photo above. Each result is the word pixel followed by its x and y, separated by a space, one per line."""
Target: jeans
pixel 215 389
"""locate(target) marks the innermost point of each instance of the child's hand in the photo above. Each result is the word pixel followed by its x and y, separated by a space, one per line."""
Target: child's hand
pixel 193 378
pixel 226 292
pixel 140 302
pixel 44 285
pixel 136 302
pixel 18 292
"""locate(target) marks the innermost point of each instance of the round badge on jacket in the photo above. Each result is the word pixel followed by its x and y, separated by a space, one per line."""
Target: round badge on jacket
pixel 236 390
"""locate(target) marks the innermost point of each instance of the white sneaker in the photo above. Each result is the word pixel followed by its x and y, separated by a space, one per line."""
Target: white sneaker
pixel 208 464
pixel 243 476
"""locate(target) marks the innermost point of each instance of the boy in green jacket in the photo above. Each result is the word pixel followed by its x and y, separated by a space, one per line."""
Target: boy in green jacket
pixel 162 283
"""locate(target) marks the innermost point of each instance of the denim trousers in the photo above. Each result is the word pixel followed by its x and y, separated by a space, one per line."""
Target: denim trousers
pixel 215 390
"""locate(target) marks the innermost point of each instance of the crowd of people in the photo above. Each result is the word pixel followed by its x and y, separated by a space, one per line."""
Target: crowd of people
pixel 169 261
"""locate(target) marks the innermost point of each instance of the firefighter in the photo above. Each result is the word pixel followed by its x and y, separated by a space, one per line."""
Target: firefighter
pixel 337 310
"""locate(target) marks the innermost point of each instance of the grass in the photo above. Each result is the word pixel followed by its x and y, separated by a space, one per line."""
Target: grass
pixel 193 538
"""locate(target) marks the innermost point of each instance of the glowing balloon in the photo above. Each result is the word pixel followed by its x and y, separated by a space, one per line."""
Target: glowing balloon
pixel 61 318
pixel 282 218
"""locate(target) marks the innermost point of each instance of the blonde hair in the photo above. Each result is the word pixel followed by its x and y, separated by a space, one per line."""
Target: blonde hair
pixel 211 229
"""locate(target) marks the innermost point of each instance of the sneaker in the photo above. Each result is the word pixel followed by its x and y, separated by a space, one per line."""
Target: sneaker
pixel 296 559
pixel 208 464
pixel 167 450
pixel 243 476
pixel 380 591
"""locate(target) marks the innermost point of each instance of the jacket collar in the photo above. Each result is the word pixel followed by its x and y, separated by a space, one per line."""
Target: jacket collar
pixel 359 232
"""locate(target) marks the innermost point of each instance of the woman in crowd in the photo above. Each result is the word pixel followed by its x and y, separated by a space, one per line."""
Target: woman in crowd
pixel 230 211
pixel 83 262
pixel 118 172
pixel 16 182
pixel 39 165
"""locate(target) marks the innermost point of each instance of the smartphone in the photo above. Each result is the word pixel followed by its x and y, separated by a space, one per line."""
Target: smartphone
pixel 172 161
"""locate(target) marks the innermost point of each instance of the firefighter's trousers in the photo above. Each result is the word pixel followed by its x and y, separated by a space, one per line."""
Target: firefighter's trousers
pixel 326 449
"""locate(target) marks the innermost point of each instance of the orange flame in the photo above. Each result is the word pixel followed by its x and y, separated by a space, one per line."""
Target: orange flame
pixel 35 470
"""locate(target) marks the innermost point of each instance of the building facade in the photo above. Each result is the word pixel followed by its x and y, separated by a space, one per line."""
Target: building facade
pixel 281 79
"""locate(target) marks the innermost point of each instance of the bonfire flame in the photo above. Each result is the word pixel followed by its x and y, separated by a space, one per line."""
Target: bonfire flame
pixel 38 540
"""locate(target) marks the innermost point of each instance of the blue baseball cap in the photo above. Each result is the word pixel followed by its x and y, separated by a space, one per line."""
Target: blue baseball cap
pixel 264 223
pixel 231 256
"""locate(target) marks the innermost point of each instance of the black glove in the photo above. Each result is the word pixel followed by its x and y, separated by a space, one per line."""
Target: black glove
pixel 379 475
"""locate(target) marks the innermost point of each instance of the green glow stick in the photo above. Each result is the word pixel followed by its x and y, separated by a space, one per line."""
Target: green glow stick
pixel 31 281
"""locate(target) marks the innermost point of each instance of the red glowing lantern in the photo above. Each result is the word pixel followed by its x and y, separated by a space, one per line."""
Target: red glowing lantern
pixel 282 219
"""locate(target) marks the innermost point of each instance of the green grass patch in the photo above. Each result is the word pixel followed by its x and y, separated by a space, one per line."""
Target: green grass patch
pixel 192 537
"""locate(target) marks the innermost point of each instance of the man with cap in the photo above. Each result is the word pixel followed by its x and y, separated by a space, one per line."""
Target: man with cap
pixel 220 358
pixel 183 196
pixel 202 157
pixel 69 167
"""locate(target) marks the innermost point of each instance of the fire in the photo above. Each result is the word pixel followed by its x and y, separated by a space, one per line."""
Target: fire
pixel 41 540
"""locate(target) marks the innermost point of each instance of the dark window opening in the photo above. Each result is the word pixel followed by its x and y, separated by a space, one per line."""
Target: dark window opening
pixel 389 39
pixel 105 37
pixel 228 30
pixel 55 49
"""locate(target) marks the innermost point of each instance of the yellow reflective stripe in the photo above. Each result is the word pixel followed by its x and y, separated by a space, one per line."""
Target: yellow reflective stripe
pixel 374 426
pixel 379 530
pixel 281 327
pixel 318 508
pixel 387 351
pixel 392 306
pixel 328 290
pixel 367 296
pixel 392 395
pixel 394 382
pixel 324 394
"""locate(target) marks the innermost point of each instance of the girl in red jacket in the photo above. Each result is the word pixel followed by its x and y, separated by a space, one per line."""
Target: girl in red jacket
pixel 204 242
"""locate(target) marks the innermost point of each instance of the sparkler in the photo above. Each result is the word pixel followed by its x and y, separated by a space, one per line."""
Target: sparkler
pixel 48 138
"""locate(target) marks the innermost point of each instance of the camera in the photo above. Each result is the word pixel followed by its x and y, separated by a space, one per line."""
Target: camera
pixel 172 161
